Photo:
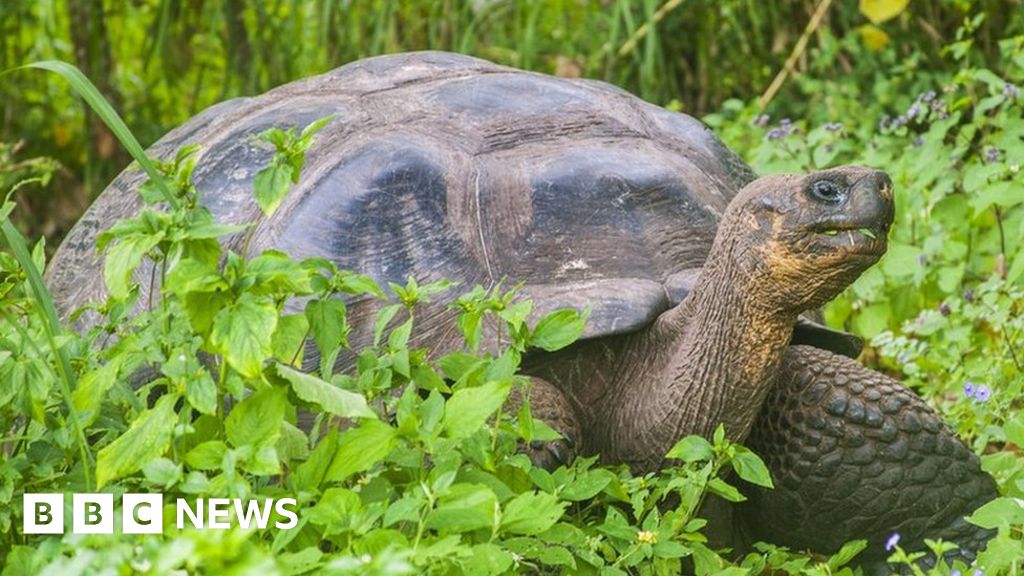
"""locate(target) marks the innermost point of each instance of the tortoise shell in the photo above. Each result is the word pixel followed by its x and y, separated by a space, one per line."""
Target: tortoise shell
pixel 439 165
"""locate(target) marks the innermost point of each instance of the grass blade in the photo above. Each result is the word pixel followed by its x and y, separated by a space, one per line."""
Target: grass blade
pixel 110 117
pixel 53 329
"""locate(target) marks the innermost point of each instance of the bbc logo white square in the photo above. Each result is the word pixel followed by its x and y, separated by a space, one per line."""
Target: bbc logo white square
pixel 142 514
pixel 93 514
pixel 43 513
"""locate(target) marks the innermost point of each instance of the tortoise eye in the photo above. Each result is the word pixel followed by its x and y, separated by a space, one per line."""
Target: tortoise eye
pixel 826 191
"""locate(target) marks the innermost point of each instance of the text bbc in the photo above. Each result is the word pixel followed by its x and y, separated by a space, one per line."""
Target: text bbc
pixel 144 513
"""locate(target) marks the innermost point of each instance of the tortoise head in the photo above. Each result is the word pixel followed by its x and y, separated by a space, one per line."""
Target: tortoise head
pixel 803 238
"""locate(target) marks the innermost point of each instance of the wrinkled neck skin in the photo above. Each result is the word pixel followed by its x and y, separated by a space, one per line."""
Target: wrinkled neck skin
pixel 709 360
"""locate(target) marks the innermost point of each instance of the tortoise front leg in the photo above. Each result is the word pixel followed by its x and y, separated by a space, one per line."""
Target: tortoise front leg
pixel 854 454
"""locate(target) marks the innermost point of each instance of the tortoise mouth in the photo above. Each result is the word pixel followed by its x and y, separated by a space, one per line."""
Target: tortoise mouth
pixel 868 239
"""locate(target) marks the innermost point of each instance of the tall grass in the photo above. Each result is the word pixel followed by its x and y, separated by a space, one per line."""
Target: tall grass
pixel 161 61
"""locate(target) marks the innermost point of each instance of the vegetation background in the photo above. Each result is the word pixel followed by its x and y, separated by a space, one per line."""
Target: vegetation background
pixel 928 90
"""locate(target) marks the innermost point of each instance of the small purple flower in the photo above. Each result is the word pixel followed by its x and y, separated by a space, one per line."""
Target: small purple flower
pixel 762 120
pixel 928 96
pixel 785 122
pixel 913 111
pixel 1010 91
pixel 885 122
pixel 892 542
pixel 834 126
pixel 982 393
pixel 978 572
pixel 944 309
pixel 969 295
pixel 918 141
pixel 969 389
pixel 992 154
pixel 900 120
pixel 775 134
pixel 955 573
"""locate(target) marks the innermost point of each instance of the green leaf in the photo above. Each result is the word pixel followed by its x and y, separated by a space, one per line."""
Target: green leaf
pixel 384 316
pixel 465 507
pixel 243 333
pixel 256 421
pixel 274 272
pixel 692 449
pixel 123 258
pixel 725 490
pixel 531 513
pixel 327 322
pixel 271 185
pixel 289 338
pixel 588 485
pixel 559 329
pixel 1001 512
pixel 146 439
pixel 751 468
pixel 207 456
pixel 326 395
pixel 191 275
pixel 201 392
pixel 469 409
pixel 847 553
pixel 360 448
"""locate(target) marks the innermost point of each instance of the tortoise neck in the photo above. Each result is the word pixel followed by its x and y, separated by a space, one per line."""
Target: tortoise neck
pixel 718 352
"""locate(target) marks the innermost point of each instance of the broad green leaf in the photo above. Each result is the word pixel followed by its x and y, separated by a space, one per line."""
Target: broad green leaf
pixel 191 275
pixel 531 513
pixel 466 507
pixel 559 329
pixel 725 490
pixel 256 421
pixel 327 323
pixel 201 392
pixel 335 509
pixel 487 559
pixel 147 438
pixel 1004 511
pixel 470 408
pixel 274 272
pixel 91 390
pixel 692 449
pixel 360 448
pixel 749 467
pixel 243 333
pixel 207 456
pixel 848 552
pixel 326 395
pixel 588 485
pixel 123 258
pixel 271 185
pixel 289 338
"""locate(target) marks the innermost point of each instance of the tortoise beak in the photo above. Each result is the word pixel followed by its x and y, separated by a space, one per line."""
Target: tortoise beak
pixel 867 209
pixel 871 202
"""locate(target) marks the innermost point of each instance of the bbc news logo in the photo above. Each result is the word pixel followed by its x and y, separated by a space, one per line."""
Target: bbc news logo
pixel 144 513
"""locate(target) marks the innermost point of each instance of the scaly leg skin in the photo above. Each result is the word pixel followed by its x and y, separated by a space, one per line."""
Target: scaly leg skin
pixel 853 454
pixel 549 405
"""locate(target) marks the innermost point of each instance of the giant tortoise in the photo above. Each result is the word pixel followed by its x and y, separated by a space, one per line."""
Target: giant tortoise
pixel 444 166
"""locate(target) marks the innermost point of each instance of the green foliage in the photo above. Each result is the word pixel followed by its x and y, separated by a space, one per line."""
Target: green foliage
pixel 402 470
pixel 409 465
pixel 944 307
